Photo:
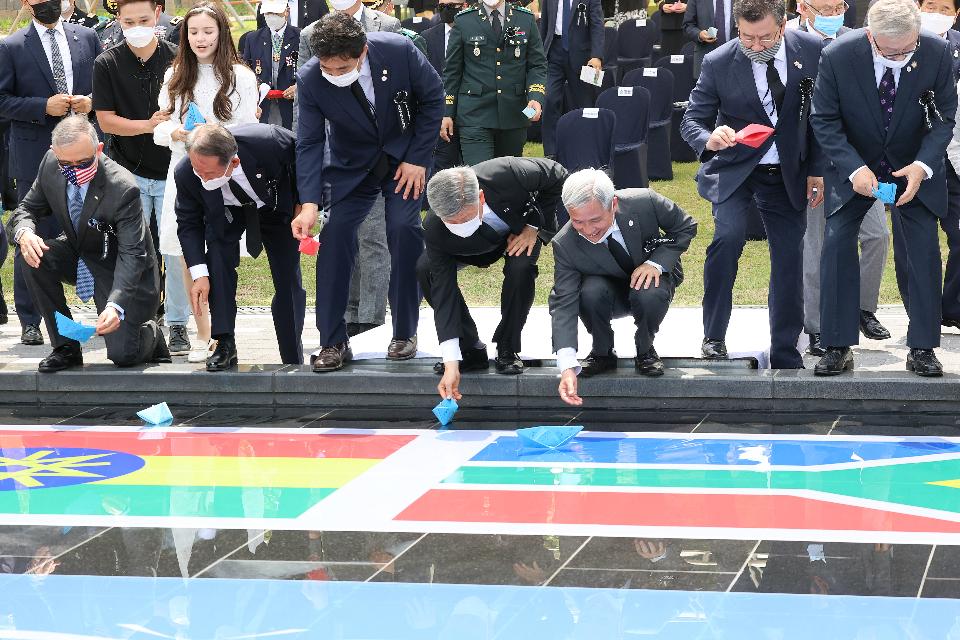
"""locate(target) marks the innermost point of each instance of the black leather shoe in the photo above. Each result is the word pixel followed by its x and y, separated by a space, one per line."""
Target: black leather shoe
pixel 331 358
pixel 923 362
pixel 508 363
pixel 31 335
pixel 63 357
pixel 835 361
pixel 815 348
pixel 224 356
pixel 649 364
pixel 713 349
pixel 950 322
pixel 595 364
pixel 3 309
pixel 871 328
pixel 473 360
pixel 161 353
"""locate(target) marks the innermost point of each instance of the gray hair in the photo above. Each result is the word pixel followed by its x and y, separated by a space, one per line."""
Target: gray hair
pixel 71 129
pixel 212 140
pixel 450 190
pixel 894 18
pixel 586 186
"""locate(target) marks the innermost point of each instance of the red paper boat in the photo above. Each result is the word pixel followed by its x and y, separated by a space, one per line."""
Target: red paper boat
pixel 274 94
pixel 754 135
pixel 309 246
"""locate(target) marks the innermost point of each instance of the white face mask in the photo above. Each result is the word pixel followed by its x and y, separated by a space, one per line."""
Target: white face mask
pixel 65 7
pixel 465 229
pixel 216 183
pixel 343 80
pixel 491 3
pixel 342 5
pixel 274 21
pixel 936 23
pixel 139 36
pixel 895 64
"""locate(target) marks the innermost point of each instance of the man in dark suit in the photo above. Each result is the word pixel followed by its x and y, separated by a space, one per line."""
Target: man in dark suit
pixel 271 52
pixel 758 78
pixel 376 101
pixel 892 124
pixel 501 208
pixel 572 37
pixel 437 36
pixel 46 72
pixel 619 255
pixel 105 250
pixel 231 182
pixel 708 24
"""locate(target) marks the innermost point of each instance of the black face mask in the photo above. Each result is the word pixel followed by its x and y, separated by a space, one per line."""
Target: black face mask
pixel 449 11
pixel 47 12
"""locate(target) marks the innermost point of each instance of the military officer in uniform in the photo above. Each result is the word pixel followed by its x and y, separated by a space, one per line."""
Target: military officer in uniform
pixel 74 15
pixel 272 54
pixel 493 79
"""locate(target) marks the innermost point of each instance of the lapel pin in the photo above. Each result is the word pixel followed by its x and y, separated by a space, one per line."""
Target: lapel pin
pixel 259 175
pixel 797 64
pixel 630 223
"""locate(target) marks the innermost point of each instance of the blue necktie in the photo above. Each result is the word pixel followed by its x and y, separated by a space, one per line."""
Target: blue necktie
pixel 720 20
pixel 84 277
pixel 565 23
pixel 888 95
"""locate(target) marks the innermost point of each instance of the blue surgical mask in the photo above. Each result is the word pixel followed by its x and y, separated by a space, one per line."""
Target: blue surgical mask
pixel 828 25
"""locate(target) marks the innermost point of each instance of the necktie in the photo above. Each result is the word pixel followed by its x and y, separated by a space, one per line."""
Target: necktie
pixel 361 97
pixel 251 218
pixel 777 90
pixel 275 68
pixel 564 22
pixel 59 75
pixel 84 277
pixel 620 255
pixel 497 26
pixel 888 94
pixel 720 20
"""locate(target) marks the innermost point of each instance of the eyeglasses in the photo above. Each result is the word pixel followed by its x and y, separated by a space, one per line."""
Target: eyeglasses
pixel 899 55
pixel 835 10
pixel 766 41
pixel 83 164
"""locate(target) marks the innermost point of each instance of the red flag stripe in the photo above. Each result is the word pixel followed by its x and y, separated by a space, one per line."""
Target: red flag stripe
pixel 280 445
pixel 734 511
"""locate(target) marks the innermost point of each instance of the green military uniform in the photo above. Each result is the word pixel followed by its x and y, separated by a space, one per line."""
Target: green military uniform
pixel 417 39
pixel 488 83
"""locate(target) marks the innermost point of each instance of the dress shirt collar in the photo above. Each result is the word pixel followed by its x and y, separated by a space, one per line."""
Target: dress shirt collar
pixel 358 16
pixel 488 11
pixel 613 228
pixel 42 29
pixel 281 32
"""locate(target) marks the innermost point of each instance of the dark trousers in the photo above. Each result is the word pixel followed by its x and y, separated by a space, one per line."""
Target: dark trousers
pixel 45 228
pixel 289 299
pixel 447 155
pixel 132 343
pixel 478 144
pixel 604 298
pixel 784 226
pixel 338 251
pixel 950 223
pixel 516 296
pixel 915 245
pixel 561 67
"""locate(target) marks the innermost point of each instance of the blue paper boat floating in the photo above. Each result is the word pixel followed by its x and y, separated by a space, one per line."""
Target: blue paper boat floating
pixel 194 117
pixel 158 414
pixel 541 438
pixel 886 192
pixel 72 329
pixel 445 411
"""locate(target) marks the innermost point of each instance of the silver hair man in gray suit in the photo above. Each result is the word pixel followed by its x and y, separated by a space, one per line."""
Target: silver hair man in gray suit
pixel 370 281
pixel 618 256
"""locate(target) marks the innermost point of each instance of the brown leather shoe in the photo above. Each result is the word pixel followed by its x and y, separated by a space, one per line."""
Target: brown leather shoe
pixel 401 349
pixel 332 358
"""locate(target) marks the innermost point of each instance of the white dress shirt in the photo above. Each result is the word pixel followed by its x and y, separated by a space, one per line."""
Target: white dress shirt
pixel 953 149
pixel 772 156
pixel 567 356
pixel 561 19
pixel 446 37
pixel 366 81
pixel 229 200
pixel 64 47
pixel 878 70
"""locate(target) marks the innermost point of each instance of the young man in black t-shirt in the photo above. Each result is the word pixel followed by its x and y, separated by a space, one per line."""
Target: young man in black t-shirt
pixel 126 83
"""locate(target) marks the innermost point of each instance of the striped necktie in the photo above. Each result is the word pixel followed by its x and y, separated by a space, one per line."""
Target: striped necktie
pixel 84 277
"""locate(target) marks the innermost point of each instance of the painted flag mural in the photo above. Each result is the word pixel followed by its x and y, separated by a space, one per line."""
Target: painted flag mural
pixel 181 473
pixel 835 484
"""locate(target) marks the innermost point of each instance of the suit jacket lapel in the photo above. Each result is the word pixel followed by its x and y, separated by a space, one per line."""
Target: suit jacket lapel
pixel 76 55
pixel 91 202
pixel 344 96
pixel 252 171
pixel 868 81
pixel 907 97
pixel 287 48
pixel 381 86
pixel 36 48
pixel 632 235
pixel 742 69
pixel 794 73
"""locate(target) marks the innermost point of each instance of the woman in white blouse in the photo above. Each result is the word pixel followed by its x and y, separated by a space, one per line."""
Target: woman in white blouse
pixel 207 72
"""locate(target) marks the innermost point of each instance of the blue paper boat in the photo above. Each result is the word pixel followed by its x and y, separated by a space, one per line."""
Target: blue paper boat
pixel 886 192
pixel 541 438
pixel 156 415
pixel 194 117
pixel 72 329
pixel 445 411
